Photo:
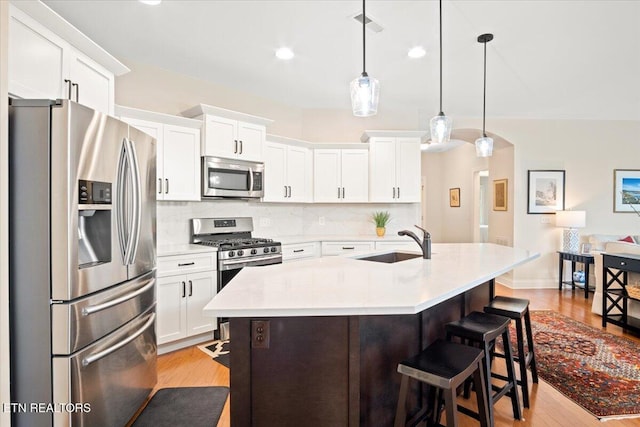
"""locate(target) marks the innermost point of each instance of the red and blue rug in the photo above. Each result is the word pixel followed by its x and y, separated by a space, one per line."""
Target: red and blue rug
pixel 597 370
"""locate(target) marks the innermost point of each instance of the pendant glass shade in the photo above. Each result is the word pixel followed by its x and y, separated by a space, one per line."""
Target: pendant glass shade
pixel 441 126
pixel 484 146
pixel 365 92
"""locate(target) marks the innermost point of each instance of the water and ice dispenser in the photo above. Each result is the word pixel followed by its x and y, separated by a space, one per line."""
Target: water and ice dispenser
pixel 94 223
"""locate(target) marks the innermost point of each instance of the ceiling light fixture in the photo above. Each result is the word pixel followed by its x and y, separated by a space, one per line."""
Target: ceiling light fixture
pixel 441 125
pixel 484 144
pixel 365 90
pixel 284 53
pixel 416 52
pixel 150 2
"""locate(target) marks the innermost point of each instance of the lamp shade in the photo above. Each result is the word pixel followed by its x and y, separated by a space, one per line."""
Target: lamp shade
pixel 571 219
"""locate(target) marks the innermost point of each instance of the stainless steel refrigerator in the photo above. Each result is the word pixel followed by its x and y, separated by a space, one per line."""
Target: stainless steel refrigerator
pixel 82 265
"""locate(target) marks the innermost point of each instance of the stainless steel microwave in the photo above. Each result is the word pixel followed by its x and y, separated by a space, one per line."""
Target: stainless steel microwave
pixel 231 178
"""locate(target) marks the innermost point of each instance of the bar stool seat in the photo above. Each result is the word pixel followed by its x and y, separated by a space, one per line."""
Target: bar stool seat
pixel 518 309
pixel 444 365
pixel 483 329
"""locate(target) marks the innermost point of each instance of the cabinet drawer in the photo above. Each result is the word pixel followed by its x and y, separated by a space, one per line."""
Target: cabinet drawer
pixel 299 251
pixel 623 262
pixel 341 248
pixel 189 263
pixel 404 246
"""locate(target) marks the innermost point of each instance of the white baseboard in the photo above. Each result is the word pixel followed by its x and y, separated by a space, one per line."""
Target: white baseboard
pixel 527 283
pixel 186 342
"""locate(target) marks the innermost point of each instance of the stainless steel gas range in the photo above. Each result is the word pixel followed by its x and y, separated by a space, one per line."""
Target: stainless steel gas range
pixel 236 249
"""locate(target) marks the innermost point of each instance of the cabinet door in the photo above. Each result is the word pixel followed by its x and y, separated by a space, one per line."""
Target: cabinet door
pixel 171 308
pixel 155 130
pixel 220 137
pixel 382 164
pixel 297 174
pixel 408 169
pixel 275 168
pixel 326 175
pixel 251 138
pixel 93 84
pixel 181 163
pixel 201 288
pixel 355 175
pixel 37 65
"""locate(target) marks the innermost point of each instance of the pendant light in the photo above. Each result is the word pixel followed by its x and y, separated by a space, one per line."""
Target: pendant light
pixel 441 125
pixel 484 144
pixel 365 90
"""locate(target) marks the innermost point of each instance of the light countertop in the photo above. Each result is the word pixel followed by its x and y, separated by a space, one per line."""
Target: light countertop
pixel 345 285
pixel 183 249
pixel 287 240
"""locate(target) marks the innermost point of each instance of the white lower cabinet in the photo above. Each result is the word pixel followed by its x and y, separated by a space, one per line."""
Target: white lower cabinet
pixel 298 251
pixel 343 248
pixel 181 297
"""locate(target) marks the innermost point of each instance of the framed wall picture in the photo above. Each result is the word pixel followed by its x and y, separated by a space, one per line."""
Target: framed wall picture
pixel 545 191
pixel 626 190
pixel 500 194
pixel 454 197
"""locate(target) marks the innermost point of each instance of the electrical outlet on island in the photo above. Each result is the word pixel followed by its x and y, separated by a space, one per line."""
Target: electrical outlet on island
pixel 265 222
pixel 321 220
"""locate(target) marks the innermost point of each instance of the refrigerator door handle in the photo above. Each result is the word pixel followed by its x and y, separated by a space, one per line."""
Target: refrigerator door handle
pixel 136 194
pixel 121 218
pixel 97 356
pixel 116 301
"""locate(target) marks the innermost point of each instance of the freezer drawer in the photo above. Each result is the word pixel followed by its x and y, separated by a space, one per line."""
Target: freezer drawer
pixel 83 321
pixel 112 377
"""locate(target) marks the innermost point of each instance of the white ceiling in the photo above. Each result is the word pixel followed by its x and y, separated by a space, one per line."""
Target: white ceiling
pixel 565 59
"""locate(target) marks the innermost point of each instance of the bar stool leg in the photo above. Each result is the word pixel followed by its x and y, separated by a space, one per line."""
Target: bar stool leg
pixel 487 374
pixel 534 368
pixel 511 373
pixel 401 411
pixel 482 398
pixel 522 362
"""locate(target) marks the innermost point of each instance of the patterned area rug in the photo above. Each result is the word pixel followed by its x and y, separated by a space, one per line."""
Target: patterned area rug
pixel 218 350
pixel 597 370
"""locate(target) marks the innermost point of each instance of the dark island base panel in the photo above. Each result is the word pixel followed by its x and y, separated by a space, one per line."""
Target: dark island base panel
pixel 336 370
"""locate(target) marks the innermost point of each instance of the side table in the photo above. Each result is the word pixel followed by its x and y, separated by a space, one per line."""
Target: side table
pixel 586 259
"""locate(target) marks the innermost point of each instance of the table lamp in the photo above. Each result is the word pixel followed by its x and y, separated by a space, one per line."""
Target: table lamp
pixel 571 221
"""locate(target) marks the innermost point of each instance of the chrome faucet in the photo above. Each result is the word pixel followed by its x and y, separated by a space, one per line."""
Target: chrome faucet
pixel 425 245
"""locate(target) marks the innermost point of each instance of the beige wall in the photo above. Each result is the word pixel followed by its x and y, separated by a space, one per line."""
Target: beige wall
pixel 4 209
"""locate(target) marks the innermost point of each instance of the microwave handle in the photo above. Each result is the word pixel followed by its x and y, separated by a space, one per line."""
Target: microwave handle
pixel 250 179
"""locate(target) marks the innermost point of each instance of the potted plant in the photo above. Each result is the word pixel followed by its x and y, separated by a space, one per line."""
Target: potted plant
pixel 381 219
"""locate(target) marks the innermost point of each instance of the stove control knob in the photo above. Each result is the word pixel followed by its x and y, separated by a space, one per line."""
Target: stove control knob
pixel 265 250
pixel 254 251
pixel 274 249
pixel 232 254
pixel 240 252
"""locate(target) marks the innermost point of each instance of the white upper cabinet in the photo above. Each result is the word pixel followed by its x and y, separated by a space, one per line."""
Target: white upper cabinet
pixel 44 65
pixel 178 151
pixel 287 171
pixel 394 169
pixel 230 134
pixel 340 175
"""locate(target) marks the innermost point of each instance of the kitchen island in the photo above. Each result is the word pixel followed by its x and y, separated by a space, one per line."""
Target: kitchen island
pixel 317 342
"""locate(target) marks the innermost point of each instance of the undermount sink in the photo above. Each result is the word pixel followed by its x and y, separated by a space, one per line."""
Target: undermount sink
pixel 390 257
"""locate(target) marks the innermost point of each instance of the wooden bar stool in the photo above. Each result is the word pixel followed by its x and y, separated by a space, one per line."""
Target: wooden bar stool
pixel 445 366
pixel 483 329
pixel 517 309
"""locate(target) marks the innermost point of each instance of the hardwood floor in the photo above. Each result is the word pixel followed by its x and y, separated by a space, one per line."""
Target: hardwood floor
pixel 191 367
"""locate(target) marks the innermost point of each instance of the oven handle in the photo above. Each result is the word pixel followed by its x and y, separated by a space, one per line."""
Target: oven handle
pixel 99 307
pixel 228 265
pixel 97 356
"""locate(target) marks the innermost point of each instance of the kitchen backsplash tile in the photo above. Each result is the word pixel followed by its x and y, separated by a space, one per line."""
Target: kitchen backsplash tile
pixel 273 219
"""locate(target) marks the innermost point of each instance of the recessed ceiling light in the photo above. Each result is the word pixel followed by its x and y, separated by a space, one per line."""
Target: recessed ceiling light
pixel 151 2
pixel 284 53
pixel 417 52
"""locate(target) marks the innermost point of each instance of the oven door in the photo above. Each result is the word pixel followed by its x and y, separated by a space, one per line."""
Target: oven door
pixel 231 178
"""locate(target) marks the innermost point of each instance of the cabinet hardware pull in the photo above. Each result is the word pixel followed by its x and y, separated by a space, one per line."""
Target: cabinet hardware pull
pixel 348 247
pixel 398 192
pixel 190 288
pixel 68 82
pixel 183 264
pixel 289 191
pixel 77 86
pixel 338 192
pixel 295 251
pixel 623 263
pixel 343 192
pixel 159 185
pixel 285 191
pixel 166 190
pixel 235 150
pixel 240 147
pixel 394 192
pixel 184 289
